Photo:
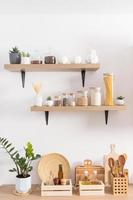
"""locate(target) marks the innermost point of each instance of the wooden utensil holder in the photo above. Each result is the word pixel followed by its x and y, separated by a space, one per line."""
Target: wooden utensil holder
pixel 119 185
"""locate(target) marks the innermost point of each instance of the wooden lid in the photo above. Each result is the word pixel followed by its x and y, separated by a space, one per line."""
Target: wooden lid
pixel 49 164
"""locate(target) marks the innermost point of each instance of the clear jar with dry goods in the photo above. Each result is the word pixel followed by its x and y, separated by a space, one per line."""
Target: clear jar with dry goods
pixel 108 80
pixel 82 98
pixel 72 99
pixel 65 100
pixel 57 101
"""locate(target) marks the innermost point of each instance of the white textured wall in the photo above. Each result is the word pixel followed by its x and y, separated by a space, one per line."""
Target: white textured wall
pixel 76 135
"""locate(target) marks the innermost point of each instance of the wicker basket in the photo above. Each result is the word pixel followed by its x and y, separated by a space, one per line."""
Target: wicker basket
pixel 119 185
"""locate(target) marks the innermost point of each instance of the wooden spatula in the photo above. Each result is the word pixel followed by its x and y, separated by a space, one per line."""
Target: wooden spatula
pixel 111 164
pixel 122 162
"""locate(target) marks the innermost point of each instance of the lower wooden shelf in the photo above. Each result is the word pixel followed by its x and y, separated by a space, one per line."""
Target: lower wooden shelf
pixel 104 108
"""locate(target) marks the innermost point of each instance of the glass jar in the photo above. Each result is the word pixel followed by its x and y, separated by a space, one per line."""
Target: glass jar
pixel 82 98
pixel 65 100
pixel 57 101
pixel 72 100
pixel 108 80
pixel 35 58
pixel 95 96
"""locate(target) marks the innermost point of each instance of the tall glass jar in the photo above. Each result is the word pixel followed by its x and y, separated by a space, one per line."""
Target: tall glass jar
pixel 108 81
pixel 57 101
pixel 95 96
pixel 72 100
pixel 82 98
pixel 65 100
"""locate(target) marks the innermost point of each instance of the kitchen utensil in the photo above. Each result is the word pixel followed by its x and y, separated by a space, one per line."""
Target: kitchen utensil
pixel 113 155
pixel 111 164
pixel 50 163
pixel 122 161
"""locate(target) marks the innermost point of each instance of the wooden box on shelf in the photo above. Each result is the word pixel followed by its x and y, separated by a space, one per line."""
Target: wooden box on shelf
pixel 56 190
pixel 119 185
pixel 79 172
pixel 86 190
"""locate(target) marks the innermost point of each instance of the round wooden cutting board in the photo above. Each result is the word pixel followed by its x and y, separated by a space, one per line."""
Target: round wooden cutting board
pixel 49 164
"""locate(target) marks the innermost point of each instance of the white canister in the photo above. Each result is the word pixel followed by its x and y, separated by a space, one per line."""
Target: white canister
pixel 64 60
pixel 23 185
pixel 38 100
pixel 93 56
pixel 78 60
pixel 95 96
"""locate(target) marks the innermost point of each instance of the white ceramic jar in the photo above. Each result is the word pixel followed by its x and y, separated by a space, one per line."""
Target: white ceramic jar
pixel 93 56
pixel 23 185
pixel 95 96
pixel 120 102
pixel 25 60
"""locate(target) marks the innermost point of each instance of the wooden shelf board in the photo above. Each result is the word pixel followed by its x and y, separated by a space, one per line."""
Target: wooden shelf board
pixel 77 108
pixel 50 67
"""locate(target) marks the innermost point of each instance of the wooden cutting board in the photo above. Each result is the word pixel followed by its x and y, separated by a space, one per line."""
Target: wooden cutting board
pixel 113 155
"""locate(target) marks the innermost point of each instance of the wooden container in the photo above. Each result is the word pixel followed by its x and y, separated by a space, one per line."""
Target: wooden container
pixel 56 190
pixel 85 190
pixel 119 185
pixel 79 172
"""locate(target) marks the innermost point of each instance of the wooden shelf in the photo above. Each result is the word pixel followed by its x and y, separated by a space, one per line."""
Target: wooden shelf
pixel 106 109
pixel 50 67
pixel 23 68
pixel 77 108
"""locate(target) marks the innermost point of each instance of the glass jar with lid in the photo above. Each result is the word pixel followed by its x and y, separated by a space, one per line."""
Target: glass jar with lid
pixel 82 98
pixel 65 99
pixel 36 58
pixel 72 99
pixel 108 80
pixel 57 101
pixel 95 96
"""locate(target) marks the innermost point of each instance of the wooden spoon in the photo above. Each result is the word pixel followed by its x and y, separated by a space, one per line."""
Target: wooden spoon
pixel 122 162
pixel 111 164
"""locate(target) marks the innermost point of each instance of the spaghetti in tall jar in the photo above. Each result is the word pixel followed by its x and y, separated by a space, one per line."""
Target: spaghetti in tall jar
pixel 108 81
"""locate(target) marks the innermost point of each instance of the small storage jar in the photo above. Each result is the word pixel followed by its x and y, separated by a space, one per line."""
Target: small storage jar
pixel 95 96
pixel 82 98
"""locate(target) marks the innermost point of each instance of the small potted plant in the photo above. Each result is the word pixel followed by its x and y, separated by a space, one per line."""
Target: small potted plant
pixel 22 164
pixel 49 101
pixel 25 58
pixel 120 100
pixel 15 56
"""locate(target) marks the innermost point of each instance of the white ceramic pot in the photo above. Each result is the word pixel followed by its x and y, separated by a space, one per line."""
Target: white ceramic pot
pixel 78 60
pixel 95 96
pixel 93 57
pixel 38 100
pixel 49 103
pixel 25 60
pixel 120 102
pixel 23 185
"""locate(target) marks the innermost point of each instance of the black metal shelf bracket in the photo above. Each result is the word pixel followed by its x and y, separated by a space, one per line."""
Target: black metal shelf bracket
pixel 106 116
pixel 46 117
pixel 83 72
pixel 23 77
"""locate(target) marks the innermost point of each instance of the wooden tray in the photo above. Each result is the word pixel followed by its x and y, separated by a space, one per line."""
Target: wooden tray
pixel 56 190
pixel 49 164
pixel 85 190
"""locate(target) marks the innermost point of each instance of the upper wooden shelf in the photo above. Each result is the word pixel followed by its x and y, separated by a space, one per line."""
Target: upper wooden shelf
pixel 51 67
pixel 77 108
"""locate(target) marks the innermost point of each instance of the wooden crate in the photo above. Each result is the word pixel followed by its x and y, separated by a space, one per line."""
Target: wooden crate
pixel 56 190
pixel 79 172
pixel 86 190
pixel 119 185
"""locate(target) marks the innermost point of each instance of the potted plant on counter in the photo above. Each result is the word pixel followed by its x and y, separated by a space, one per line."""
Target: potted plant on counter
pixel 120 101
pixel 49 101
pixel 25 58
pixel 22 164
pixel 15 56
